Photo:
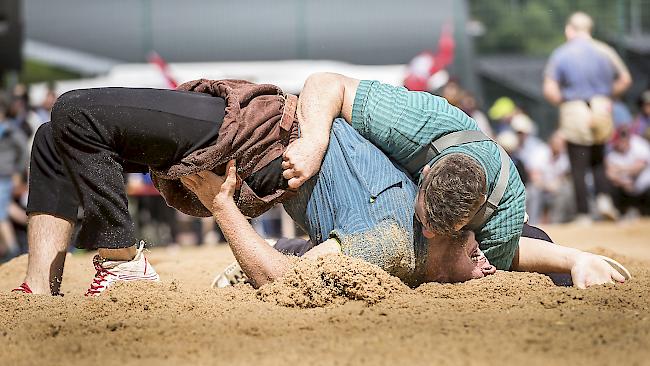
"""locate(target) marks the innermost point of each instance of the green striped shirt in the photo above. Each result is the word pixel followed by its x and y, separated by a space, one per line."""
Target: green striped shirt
pixel 401 122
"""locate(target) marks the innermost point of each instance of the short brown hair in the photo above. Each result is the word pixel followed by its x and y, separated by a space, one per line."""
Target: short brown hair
pixel 453 190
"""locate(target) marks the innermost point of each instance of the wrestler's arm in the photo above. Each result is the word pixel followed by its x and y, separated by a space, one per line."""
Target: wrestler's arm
pixel 261 262
pixel 586 269
pixel 324 97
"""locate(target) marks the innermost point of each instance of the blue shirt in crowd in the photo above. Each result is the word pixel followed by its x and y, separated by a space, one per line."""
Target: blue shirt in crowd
pixel 582 68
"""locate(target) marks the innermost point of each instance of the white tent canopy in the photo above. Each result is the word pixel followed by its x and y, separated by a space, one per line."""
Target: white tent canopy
pixel 289 75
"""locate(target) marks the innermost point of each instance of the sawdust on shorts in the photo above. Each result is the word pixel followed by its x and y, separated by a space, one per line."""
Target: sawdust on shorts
pixel 331 279
pixel 387 245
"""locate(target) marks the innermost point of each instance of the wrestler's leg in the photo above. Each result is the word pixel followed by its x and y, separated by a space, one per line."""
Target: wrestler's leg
pixel 52 210
pixel 142 126
pixel 47 238
pixel 100 131
pixel 295 246
pixel 534 232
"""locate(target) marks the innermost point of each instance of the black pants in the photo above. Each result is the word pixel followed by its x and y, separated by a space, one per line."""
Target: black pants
pixel 97 135
pixel 582 158
pixel 625 200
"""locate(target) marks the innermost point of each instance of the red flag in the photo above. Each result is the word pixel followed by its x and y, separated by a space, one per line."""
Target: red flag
pixel 426 63
pixel 446 46
pixel 156 59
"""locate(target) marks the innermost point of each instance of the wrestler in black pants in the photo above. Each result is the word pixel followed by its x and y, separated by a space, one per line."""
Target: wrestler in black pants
pixel 582 158
pixel 97 135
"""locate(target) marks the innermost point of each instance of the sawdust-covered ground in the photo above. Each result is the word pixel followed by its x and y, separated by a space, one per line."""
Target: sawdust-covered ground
pixel 509 318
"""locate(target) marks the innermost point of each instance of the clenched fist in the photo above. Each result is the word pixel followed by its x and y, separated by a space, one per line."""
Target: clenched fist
pixel 302 160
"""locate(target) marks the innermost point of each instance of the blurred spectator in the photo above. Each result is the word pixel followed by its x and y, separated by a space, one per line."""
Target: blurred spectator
pixel 641 124
pixel 13 158
pixel 557 181
pixel 19 108
pixel 549 189
pixel 161 224
pixel 581 77
pixel 510 143
pixel 469 105
pixel 155 221
pixel 18 212
pixel 210 232
pixel 543 168
pixel 269 224
pixel 628 167
pixel 529 144
pixel 41 113
pixel 453 92
pixel 16 114
pixel 621 114
pixel 502 112
pixel 186 230
pixel 532 151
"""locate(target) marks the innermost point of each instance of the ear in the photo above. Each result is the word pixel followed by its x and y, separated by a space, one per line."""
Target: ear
pixel 425 170
pixel 428 233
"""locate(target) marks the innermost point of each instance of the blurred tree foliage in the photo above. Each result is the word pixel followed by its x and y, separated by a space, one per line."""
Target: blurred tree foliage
pixel 35 71
pixel 535 27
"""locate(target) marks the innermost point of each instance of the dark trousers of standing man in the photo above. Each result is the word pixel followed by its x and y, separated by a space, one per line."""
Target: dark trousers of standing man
pixel 583 158
pixel 97 135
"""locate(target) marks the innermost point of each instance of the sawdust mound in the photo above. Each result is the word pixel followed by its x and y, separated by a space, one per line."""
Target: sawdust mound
pixel 331 280
pixel 514 318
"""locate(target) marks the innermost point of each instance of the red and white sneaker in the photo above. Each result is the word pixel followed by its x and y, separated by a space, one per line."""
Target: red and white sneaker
pixel 24 288
pixel 109 272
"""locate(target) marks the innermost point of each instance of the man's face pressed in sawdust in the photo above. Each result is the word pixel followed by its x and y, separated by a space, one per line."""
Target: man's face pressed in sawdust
pixel 456 259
